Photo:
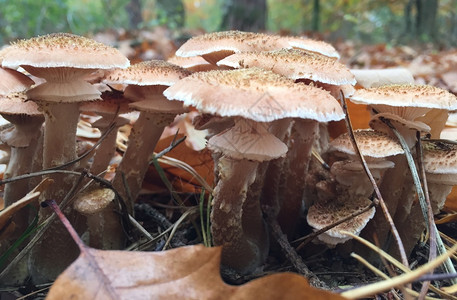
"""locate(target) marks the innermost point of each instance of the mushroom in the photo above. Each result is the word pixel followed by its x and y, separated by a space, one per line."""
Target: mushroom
pixel 63 60
pixel 350 190
pixel 375 146
pixel 23 140
pixel 146 82
pixel 253 96
pixel 102 220
pixel 300 65
pixel 322 214
pixel 403 105
pixel 440 164
pixel 113 103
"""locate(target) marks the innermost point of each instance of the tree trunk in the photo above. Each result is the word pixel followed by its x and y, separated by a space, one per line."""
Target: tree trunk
pixel 316 15
pixel 426 18
pixel 245 15
pixel 172 12
pixel 133 9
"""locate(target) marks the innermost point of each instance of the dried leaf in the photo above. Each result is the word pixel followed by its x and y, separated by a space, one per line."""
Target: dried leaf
pixel 201 161
pixel 184 273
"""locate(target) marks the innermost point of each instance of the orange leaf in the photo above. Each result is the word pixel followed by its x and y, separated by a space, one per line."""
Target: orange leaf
pixel 190 272
pixel 201 161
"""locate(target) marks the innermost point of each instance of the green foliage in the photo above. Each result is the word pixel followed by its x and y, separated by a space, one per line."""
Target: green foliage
pixel 368 21
pixel 26 18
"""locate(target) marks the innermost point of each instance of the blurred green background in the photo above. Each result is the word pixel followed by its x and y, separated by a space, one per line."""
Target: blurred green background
pixel 382 21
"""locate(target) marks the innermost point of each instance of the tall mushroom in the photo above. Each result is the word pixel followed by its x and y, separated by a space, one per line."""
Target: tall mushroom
pixel 63 60
pixel 146 82
pixel 253 96
pixel 315 69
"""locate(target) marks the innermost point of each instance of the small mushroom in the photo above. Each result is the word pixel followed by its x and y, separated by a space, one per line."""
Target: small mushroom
pixel 323 214
pixel 103 222
pixel 146 82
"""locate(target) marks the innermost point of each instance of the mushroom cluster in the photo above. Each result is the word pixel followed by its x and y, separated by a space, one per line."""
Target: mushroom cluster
pixel 265 100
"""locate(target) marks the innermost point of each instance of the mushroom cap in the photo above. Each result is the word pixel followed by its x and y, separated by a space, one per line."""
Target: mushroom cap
pixel 63 50
pixel 398 122
pixel 255 94
pixel 193 63
pixel 406 95
pixel 440 157
pixel 17 104
pixel 94 201
pixel 112 102
pixel 321 215
pixel 159 106
pixel 217 45
pixel 12 81
pixel 248 140
pixel 153 72
pixel 312 45
pixel 371 143
pixel 295 64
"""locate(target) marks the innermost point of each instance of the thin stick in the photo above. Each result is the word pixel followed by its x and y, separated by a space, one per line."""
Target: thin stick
pixel 372 289
pixel 384 276
pixel 432 237
pixel 290 252
pixel 387 215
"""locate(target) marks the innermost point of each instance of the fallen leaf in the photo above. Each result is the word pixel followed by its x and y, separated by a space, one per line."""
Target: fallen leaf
pixel 201 161
pixel 190 272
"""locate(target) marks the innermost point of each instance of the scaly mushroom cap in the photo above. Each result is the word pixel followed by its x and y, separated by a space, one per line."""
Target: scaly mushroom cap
pixel 12 81
pixel 17 104
pixel 312 45
pixel 321 215
pixel 94 201
pixel 217 45
pixel 399 99
pixel 193 64
pixel 25 115
pixel 255 94
pixel 371 143
pixel 440 157
pixel 63 50
pixel 295 64
pixel 153 72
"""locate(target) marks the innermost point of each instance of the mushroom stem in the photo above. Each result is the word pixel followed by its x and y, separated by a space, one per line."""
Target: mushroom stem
pixel 391 188
pixel 105 229
pixel 230 216
pixel 145 134
pixel 54 252
pixel 291 197
pixel 106 149
pixel 273 174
